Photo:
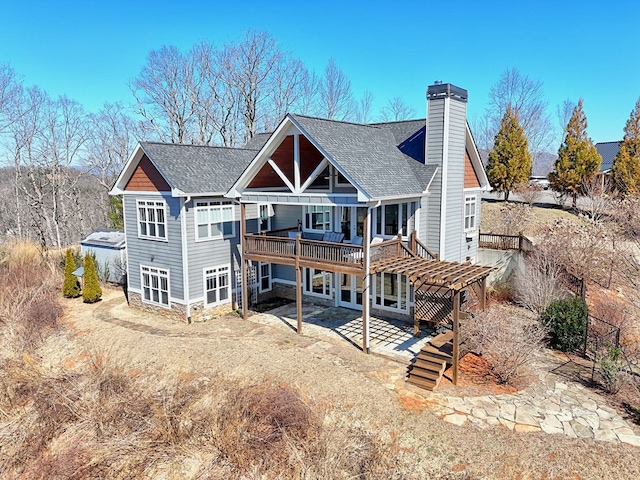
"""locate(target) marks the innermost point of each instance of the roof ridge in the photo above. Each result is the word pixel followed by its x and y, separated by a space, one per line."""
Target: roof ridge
pixel 613 141
pixel 399 121
pixel 344 122
pixel 168 144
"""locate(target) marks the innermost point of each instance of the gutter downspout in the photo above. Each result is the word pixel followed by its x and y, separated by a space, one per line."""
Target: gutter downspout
pixel 185 255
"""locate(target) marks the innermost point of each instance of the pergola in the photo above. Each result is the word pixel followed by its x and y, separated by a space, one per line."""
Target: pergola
pixel 436 274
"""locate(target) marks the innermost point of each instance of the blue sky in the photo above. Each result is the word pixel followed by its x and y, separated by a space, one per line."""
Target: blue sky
pixel 89 50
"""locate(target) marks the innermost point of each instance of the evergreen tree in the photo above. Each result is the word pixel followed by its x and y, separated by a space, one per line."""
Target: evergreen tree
pixel 91 292
pixel 626 166
pixel 71 286
pixel 578 160
pixel 509 160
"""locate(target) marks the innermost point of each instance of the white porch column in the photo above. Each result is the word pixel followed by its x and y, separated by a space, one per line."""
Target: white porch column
pixel 366 285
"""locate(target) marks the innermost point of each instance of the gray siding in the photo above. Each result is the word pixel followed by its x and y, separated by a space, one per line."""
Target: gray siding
pixel 454 214
pixel 154 253
pixel 286 216
pixel 215 252
pixel 453 166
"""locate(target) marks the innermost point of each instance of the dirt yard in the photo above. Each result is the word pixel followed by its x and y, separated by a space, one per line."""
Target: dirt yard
pixel 367 390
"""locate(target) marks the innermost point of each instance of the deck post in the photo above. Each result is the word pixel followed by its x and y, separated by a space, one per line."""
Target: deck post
pixel 243 261
pixel 483 294
pixel 412 242
pixel 456 334
pixel 298 285
pixel 366 284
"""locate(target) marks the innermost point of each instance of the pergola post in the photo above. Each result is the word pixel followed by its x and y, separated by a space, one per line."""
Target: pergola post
pixel 245 289
pixel 456 334
pixel 298 285
pixel 366 285
pixel 483 294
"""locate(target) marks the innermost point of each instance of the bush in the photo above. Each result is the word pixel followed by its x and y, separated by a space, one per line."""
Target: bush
pixel 538 284
pixel 611 369
pixel 566 320
pixel 91 292
pixel 506 338
pixel 71 286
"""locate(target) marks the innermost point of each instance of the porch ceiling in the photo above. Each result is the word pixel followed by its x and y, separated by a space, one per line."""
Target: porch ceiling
pixel 421 271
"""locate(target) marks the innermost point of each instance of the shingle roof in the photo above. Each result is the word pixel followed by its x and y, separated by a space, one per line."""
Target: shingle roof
pixel 369 155
pixel 608 151
pixel 105 237
pixel 258 141
pixel 197 169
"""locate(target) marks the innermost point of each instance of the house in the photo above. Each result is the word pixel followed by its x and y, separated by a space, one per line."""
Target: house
pixel 108 246
pixel 380 217
pixel 608 152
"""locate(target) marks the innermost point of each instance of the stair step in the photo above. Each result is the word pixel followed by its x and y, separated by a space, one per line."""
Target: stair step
pixel 425 374
pixel 422 383
pixel 435 365
pixel 427 351
pixel 439 340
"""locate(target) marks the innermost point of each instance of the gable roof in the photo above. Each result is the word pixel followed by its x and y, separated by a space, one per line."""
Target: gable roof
pixel 190 169
pixel 368 155
pixel 608 151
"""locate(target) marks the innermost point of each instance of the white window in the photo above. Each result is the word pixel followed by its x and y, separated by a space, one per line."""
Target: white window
pixel 155 285
pixel 265 277
pixel 152 219
pixel 470 213
pixel 265 212
pixel 318 218
pixel 392 218
pixel 214 220
pixel 217 285
pixel 317 282
pixel 390 291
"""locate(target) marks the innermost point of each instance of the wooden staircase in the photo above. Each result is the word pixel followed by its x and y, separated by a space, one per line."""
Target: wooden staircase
pixel 431 363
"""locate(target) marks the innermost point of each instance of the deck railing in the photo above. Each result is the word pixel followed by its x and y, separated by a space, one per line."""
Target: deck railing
pixel 306 251
pixel 499 241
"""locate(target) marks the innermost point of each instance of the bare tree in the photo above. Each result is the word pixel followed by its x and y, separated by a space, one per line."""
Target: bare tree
pixel 365 107
pixel 564 112
pixel 596 198
pixel 10 92
pixel 396 109
pixel 164 94
pixel 289 76
pixel 336 98
pixel 251 63
pixel 538 284
pixel 526 97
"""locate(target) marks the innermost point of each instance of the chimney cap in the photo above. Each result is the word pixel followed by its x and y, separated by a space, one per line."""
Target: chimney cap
pixel 446 90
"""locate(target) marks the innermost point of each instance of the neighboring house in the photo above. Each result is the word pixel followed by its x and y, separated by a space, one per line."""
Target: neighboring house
pixel 108 246
pixel 317 206
pixel 608 151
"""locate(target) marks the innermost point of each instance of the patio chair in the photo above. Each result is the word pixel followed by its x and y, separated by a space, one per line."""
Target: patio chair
pixel 333 237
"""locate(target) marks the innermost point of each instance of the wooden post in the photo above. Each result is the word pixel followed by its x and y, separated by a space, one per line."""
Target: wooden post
pixel 520 241
pixel 399 246
pixel 366 285
pixel 298 285
pixel 483 294
pixel 456 335
pixel 413 244
pixel 243 241
pixel 416 322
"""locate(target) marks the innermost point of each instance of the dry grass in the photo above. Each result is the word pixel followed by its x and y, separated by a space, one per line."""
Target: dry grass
pixel 536 220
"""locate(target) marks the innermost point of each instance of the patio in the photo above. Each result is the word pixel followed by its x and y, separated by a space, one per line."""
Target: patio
pixel 389 337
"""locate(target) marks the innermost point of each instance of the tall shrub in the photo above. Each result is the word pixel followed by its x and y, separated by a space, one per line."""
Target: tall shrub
pixel 566 320
pixel 91 292
pixel 71 286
